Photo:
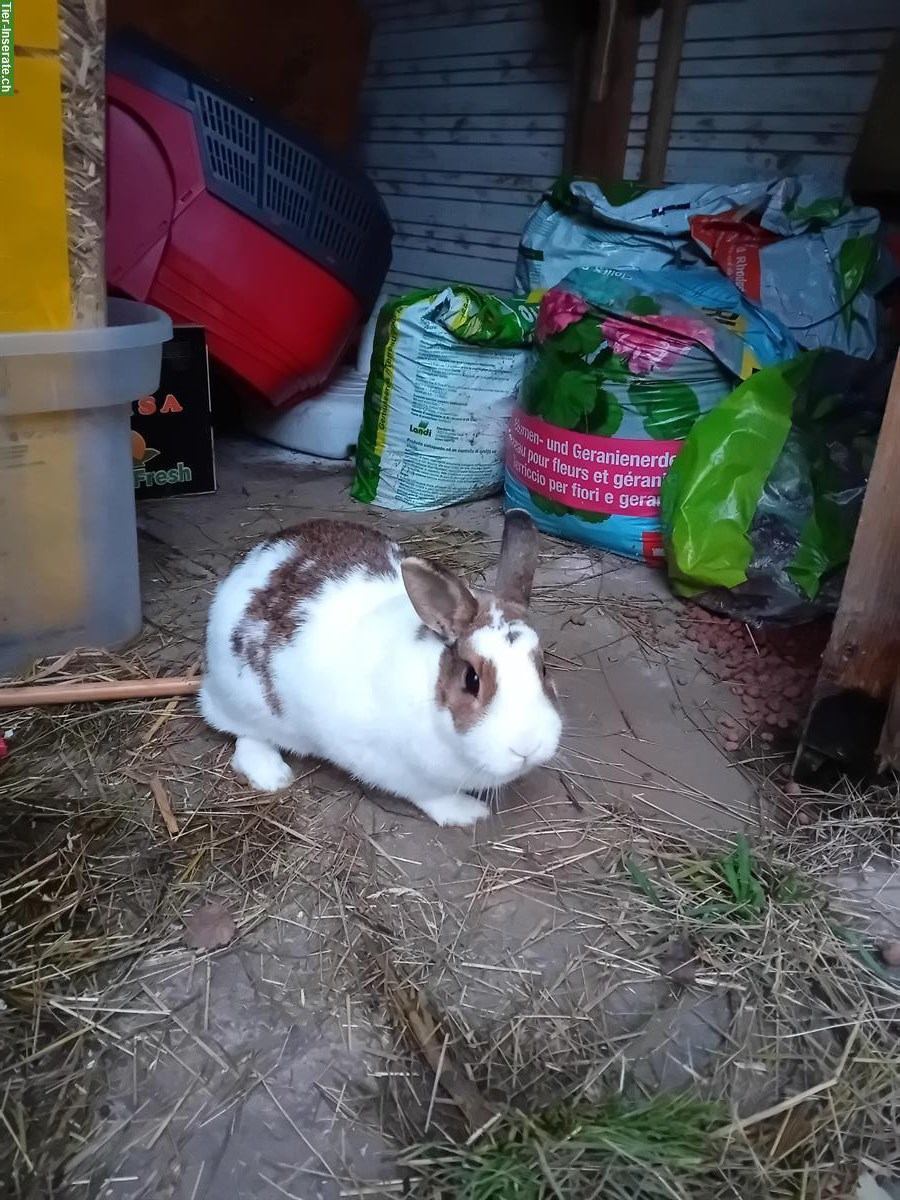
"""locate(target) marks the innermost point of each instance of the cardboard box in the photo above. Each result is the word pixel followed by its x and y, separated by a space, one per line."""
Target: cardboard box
pixel 171 431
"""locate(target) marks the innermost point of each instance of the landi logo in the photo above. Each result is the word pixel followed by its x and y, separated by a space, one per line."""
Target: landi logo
pixel 421 430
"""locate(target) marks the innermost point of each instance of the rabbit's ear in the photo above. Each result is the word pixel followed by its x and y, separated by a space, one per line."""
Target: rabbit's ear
pixel 519 553
pixel 443 602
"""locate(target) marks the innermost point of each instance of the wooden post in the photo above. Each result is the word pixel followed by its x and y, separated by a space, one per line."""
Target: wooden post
pixel 665 87
pixel 861 663
pixel 82 55
pixel 600 114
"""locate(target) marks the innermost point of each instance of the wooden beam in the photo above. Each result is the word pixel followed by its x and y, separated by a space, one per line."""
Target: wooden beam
pixel 584 20
pixel 861 663
pixel 665 87
pixel 864 651
pixel 604 85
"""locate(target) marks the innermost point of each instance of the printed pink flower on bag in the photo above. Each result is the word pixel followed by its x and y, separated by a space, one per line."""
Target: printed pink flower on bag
pixel 644 348
pixel 558 310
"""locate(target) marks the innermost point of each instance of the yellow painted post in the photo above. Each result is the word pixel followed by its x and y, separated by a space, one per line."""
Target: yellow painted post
pixel 43 568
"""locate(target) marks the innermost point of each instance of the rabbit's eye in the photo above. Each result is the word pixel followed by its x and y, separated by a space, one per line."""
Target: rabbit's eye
pixel 473 683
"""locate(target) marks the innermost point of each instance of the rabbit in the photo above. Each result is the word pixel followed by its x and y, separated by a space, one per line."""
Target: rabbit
pixel 324 641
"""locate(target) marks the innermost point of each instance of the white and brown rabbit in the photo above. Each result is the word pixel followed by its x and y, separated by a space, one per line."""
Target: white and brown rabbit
pixel 326 641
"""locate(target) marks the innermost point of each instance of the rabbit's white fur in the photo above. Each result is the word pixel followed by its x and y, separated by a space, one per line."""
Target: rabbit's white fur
pixel 356 686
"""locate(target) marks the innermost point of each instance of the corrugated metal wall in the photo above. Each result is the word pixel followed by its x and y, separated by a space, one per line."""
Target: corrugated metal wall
pixel 767 87
pixel 464 110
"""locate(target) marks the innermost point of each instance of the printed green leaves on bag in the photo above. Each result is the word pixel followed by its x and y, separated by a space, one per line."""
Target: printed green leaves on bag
pixel 571 400
pixel 484 320
pixel 823 211
pixel 669 411
pixel 579 338
pixel 607 415
pixel 566 388
pixel 856 260
pixel 643 306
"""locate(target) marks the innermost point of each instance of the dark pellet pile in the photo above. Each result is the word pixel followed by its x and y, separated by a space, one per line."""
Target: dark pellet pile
pixel 772 672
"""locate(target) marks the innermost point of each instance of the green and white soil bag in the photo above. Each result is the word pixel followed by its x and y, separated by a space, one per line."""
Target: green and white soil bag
pixel 445 375
pixel 792 246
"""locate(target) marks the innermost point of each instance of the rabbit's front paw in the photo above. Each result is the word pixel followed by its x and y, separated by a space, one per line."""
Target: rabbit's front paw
pixel 261 765
pixel 454 810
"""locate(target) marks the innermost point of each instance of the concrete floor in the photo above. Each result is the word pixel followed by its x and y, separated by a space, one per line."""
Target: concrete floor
pixel 236 1098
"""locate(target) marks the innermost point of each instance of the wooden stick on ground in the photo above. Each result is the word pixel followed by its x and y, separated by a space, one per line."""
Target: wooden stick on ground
pixel 88 693
pixel 164 804
pixel 412 1009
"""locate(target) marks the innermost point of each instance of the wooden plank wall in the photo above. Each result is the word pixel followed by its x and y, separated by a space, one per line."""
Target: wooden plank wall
pixel 463 124
pixel 310 74
pixel 767 87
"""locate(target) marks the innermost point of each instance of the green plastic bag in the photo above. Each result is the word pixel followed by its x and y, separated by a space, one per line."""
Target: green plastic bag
pixel 760 507
pixel 446 368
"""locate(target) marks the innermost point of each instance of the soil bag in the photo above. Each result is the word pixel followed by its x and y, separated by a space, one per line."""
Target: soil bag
pixel 760 507
pixel 623 366
pixel 445 374
pixel 792 246
pixel 619 226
